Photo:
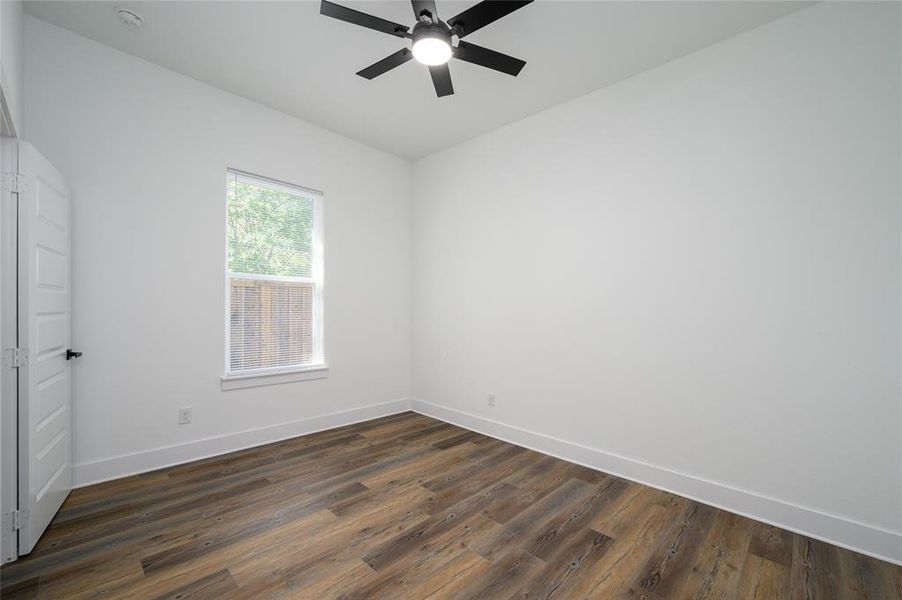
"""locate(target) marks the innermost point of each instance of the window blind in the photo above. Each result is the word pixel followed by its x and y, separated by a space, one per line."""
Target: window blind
pixel 272 274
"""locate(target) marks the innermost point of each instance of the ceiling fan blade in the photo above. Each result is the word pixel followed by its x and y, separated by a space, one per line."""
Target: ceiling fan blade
pixel 330 9
pixel 386 64
pixel 441 79
pixel 424 5
pixel 490 59
pixel 488 11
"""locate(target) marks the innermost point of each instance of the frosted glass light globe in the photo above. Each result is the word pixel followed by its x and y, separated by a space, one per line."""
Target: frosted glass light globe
pixel 432 51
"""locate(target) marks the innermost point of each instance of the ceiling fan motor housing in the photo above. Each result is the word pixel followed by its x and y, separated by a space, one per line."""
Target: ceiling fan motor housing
pixel 436 29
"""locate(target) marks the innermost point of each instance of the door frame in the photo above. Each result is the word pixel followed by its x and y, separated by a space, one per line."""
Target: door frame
pixel 9 376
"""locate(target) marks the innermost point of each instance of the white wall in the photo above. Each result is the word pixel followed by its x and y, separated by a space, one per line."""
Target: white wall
pixel 11 59
pixel 146 151
pixel 696 270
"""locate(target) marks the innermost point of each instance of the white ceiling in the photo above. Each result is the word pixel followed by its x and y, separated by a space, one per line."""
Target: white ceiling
pixel 285 55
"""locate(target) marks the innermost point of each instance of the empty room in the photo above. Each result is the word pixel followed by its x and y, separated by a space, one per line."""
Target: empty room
pixel 451 299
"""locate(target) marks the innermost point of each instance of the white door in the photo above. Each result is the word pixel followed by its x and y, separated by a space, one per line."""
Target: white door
pixel 45 415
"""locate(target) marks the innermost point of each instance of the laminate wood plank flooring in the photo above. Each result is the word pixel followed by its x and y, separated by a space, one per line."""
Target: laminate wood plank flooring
pixel 410 507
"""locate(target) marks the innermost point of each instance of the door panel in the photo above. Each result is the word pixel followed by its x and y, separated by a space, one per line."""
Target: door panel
pixel 51 269
pixel 45 415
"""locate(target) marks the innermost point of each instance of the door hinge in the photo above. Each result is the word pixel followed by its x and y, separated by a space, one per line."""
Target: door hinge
pixel 17 519
pixel 15 357
pixel 16 183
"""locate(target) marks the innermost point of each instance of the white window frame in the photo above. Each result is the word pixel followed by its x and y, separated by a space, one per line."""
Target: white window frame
pixel 317 368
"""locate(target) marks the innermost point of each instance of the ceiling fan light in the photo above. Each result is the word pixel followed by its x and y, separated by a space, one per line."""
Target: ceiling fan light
pixel 432 51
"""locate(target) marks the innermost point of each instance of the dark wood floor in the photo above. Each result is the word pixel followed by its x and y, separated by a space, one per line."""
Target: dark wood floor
pixel 410 507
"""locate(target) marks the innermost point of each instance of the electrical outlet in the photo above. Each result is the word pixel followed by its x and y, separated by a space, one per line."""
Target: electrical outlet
pixel 184 415
pixel 491 399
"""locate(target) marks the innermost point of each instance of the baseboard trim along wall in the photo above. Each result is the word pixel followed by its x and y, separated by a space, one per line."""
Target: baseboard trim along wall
pixel 89 473
pixel 873 541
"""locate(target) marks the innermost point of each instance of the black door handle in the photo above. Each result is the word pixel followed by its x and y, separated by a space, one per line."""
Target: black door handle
pixel 70 354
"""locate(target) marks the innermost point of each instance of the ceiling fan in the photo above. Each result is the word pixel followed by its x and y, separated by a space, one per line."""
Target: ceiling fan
pixel 434 39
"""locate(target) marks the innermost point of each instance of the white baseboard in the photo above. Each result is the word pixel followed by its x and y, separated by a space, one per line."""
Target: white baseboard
pixel 860 537
pixel 880 543
pixel 88 473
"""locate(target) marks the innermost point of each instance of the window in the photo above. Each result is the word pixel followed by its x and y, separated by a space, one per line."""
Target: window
pixel 275 282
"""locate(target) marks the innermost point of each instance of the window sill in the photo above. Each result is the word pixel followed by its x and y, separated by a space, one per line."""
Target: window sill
pixel 249 380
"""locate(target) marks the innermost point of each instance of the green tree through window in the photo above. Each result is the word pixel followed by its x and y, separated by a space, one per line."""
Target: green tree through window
pixel 270 231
